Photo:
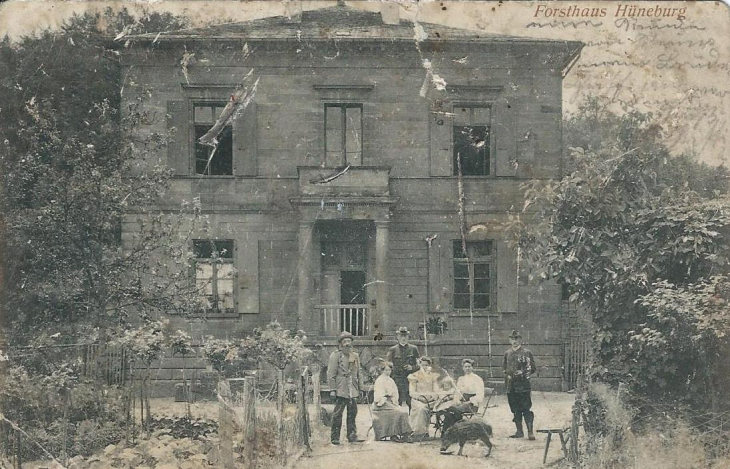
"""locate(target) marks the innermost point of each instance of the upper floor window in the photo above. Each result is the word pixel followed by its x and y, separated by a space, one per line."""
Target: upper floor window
pixel 215 275
pixel 212 160
pixel 343 134
pixel 471 140
pixel 473 275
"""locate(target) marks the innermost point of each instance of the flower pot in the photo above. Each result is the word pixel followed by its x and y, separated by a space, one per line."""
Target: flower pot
pixel 430 336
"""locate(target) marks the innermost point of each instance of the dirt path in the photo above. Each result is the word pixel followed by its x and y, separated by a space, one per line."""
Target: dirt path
pixel 551 410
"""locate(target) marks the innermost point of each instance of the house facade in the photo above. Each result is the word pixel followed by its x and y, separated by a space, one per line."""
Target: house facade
pixel 367 181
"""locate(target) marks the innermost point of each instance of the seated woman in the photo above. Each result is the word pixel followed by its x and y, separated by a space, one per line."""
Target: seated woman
pixel 389 419
pixel 423 387
pixel 468 397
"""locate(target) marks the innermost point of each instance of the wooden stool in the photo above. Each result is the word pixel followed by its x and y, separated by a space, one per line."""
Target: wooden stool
pixel 563 440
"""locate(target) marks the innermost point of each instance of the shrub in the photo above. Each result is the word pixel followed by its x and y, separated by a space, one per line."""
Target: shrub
pixel 91 412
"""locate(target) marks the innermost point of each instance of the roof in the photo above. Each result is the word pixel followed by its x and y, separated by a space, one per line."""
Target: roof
pixel 340 23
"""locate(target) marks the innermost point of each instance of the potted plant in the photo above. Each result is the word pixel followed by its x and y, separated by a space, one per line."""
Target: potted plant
pixel 435 326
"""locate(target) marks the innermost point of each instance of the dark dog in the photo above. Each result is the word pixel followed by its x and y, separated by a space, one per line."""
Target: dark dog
pixel 467 430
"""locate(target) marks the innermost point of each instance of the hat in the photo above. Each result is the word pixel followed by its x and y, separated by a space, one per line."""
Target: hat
pixel 403 331
pixel 426 359
pixel 467 360
pixel 345 335
pixel 515 335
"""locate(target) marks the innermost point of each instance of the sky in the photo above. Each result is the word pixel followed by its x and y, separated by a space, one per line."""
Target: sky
pixel 675 65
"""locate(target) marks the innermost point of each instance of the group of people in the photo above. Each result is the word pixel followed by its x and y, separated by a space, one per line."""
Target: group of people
pixel 406 377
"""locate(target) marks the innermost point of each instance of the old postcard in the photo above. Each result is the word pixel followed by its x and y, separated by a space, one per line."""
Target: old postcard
pixel 331 233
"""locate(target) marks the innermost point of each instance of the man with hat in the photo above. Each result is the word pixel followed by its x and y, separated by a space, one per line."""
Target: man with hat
pixel 404 357
pixel 518 365
pixel 343 379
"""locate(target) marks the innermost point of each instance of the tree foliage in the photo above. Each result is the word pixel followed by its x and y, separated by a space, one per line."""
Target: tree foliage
pixel 276 346
pixel 71 165
pixel 639 238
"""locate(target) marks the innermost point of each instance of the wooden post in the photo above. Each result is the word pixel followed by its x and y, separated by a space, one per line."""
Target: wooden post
pixel 249 422
pixel 306 429
pixel 316 385
pixel 573 454
pixel 280 404
pixel 225 425
pixel 300 414
pixel 18 450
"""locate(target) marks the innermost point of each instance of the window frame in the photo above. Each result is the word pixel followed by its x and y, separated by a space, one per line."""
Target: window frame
pixel 343 106
pixel 215 312
pixel 210 104
pixel 470 262
pixel 490 147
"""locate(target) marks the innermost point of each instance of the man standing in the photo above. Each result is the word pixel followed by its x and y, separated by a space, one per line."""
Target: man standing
pixel 343 379
pixel 404 358
pixel 518 365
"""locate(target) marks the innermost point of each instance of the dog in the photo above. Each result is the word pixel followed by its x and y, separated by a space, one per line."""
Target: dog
pixel 467 430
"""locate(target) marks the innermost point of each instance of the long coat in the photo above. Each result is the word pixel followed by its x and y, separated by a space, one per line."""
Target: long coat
pixel 343 374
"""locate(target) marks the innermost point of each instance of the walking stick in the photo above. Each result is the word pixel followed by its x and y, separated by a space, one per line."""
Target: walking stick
pixel 370 411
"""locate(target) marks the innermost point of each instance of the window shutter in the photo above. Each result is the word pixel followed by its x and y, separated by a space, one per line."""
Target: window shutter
pixel 178 128
pixel 503 130
pixel 440 275
pixel 441 128
pixel 245 142
pixel 507 282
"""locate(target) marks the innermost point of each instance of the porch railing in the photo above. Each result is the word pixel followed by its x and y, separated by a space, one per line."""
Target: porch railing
pixel 334 319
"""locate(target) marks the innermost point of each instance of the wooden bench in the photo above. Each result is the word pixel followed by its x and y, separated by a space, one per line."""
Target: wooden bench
pixel 564 434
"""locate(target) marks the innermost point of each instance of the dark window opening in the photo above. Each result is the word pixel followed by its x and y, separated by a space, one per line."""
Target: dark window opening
pixel 473 275
pixel 212 160
pixel 343 134
pixel 471 140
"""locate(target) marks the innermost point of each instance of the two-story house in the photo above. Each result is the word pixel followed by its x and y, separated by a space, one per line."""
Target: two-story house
pixel 367 183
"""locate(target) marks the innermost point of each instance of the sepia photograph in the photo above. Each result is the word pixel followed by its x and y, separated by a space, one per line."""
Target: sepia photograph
pixel 397 234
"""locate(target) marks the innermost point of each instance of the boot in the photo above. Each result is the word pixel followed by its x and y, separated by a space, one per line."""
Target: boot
pixel 530 434
pixel 528 421
pixel 520 433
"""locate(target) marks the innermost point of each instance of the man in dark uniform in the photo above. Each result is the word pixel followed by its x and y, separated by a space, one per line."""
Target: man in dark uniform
pixel 518 365
pixel 343 378
pixel 404 358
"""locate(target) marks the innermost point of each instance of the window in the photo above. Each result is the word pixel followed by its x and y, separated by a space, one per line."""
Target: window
pixel 343 134
pixel 471 140
pixel 215 275
pixel 473 275
pixel 212 161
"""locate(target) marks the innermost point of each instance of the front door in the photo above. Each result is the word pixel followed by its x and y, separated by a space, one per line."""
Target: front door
pixel 344 280
pixel 352 287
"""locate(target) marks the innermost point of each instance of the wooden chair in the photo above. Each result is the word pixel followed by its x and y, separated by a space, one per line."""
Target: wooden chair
pixel 437 415
pixel 482 411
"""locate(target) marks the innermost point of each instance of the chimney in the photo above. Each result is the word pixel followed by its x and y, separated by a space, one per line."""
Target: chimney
pixel 293 11
pixel 390 12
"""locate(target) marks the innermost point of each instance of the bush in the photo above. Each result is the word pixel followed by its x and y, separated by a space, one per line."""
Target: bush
pixel 619 436
pixel 91 412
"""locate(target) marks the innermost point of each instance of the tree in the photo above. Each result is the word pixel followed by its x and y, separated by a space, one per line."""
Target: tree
pixel 72 172
pixel 630 232
pixel 70 163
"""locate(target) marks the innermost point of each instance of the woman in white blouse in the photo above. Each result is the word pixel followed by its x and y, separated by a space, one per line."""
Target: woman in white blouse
pixel 389 419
